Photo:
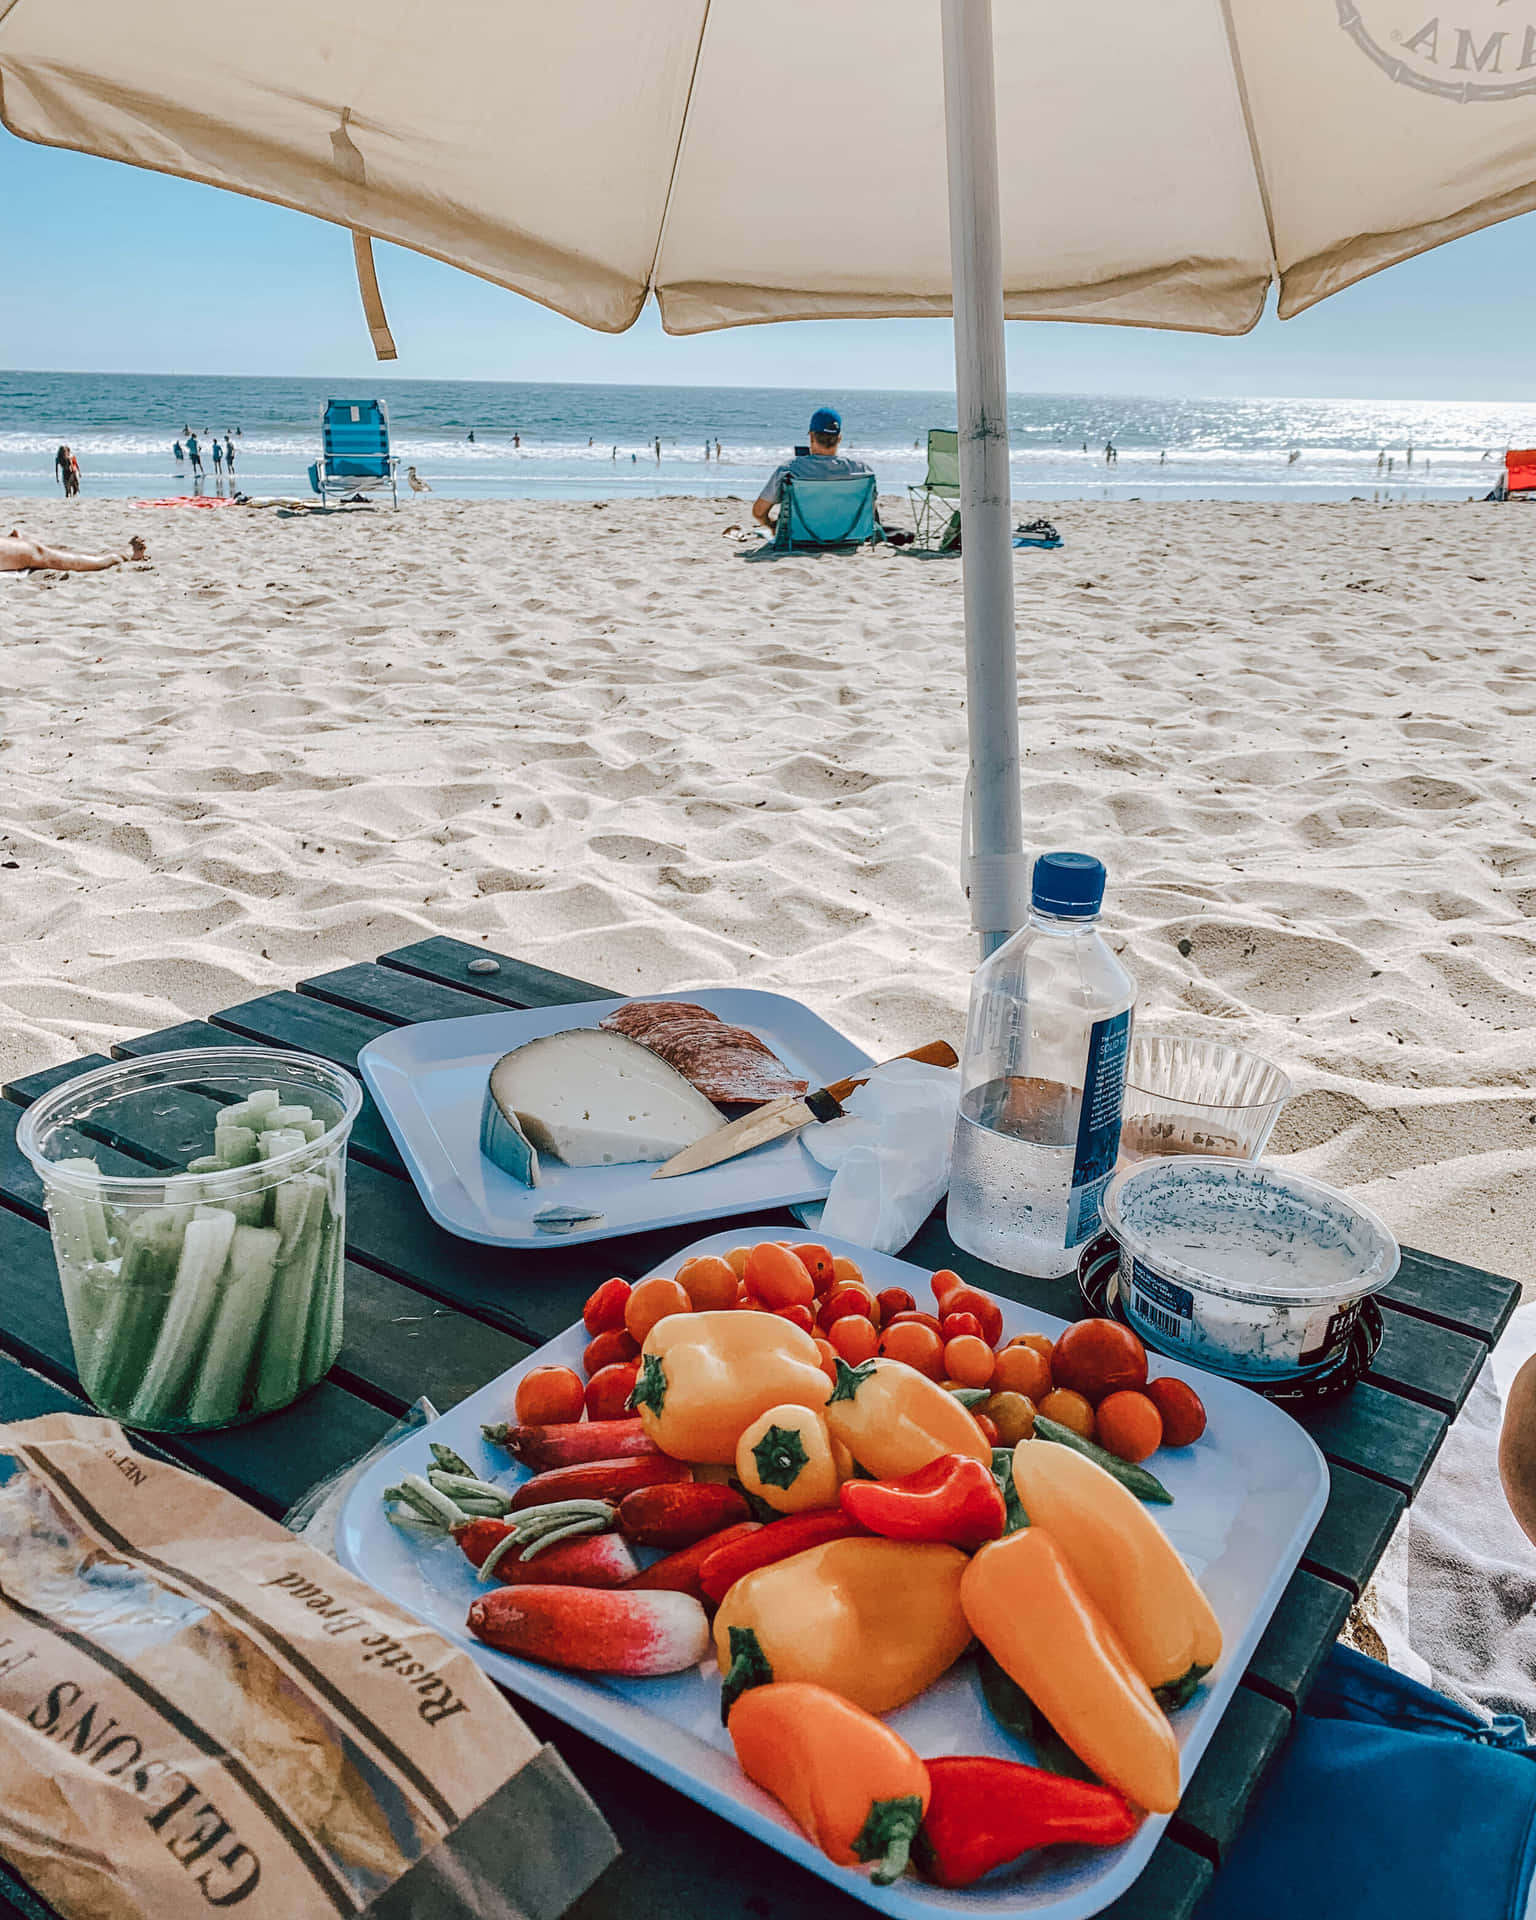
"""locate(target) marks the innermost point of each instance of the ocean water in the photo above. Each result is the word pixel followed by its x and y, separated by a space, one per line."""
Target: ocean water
pixel 599 442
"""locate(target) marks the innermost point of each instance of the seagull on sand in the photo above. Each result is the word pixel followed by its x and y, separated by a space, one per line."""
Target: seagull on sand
pixel 418 485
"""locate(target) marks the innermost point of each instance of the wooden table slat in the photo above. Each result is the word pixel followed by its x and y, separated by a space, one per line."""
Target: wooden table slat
pixel 1378 1433
pixel 1249 1735
pixel 1426 1362
pixel 1303 1628
pixel 1463 1298
pixel 516 984
pixel 1356 1525
pixel 1169 1887
pixel 32 1086
pixel 398 999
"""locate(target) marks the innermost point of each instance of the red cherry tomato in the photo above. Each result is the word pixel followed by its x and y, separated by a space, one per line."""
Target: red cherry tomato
pixel 607 1348
pixel 605 1309
pixel 1181 1408
pixel 894 1300
pixel 954 1324
pixel 777 1278
pixel 844 1300
pixel 828 1355
pixel 549 1396
pixel 988 1431
pixel 945 1282
pixel 1099 1357
pixel 985 1308
pixel 797 1316
pixel 818 1263
pixel 853 1338
pixel 608 1392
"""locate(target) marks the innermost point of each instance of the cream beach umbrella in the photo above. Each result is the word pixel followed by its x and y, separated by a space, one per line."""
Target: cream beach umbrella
pixel 1153 163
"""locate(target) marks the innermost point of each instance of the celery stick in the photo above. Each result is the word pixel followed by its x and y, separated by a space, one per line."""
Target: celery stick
pixel 184 1190
pixel 279 1140
pixel 96 1223
pixel 130 1309
pixel 204 1249
pixel 312 1129
pixel 207 1163
pixel 71 1232
pixel 245 1287
pixel 249 1112
pixel 287 1117
pixel 299 1216
pixel 324 1332
pixel 235 1146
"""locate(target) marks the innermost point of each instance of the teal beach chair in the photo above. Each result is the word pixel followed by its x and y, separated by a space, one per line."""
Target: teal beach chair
pixel 354 450
pixel 937 500
pixel 826 515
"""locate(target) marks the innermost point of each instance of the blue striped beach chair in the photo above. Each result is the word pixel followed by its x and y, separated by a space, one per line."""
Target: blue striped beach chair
pixel 354 450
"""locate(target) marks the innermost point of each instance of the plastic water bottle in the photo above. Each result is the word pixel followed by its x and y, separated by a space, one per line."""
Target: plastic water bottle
pixel 1042 1080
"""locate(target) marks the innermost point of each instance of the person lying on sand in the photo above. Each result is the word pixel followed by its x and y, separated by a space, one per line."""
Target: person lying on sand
pixel 18 554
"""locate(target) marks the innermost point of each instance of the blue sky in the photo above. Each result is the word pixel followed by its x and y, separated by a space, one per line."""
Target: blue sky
pixel 110 269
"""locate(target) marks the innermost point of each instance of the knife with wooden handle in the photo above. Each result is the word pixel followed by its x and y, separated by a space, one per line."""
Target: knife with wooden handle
pixel 781 1117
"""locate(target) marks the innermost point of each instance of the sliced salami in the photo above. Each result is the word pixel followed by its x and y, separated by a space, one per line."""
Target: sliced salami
pixel 726 1063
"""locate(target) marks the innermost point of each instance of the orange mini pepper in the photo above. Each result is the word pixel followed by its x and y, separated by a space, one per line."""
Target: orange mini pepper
pixel 1037 1620
pixel 893 1419
pixel 705 1377
pixel 786 1459
pixel 843 1776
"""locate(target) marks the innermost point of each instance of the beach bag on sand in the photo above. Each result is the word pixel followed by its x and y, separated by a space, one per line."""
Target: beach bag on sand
pixel 199 1713
pixel 1389 1802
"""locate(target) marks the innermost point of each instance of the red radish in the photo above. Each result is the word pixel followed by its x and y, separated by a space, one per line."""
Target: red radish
pixel 639 1634
pixel 595 1560
pixel 573 1442
pixel 599 1480
pixel 676 1516
pixel 679 1572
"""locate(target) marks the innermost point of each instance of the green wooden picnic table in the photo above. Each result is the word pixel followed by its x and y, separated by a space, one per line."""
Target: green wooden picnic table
pixel 430 1314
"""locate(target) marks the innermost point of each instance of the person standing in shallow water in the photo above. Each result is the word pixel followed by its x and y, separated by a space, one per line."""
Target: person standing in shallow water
pixel 67 467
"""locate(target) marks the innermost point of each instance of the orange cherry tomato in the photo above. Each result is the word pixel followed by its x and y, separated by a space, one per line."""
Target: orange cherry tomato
pixel 828 1355
pixel 797 1316
pixel 989 1433
pixel 1042 1343
pixel 969 1360
pixel 818 1263
pixel 1098 1357
pixel 853 1338
pixel 549 1396
pixel 709 1282
pixel 748 1301
pixel 844 1300
pixel 608 1392
pixel 1023 1370
pixel 894 1300
pixel 1013 1414
pixel 651 1301
pixel 608 1348
pixel 1181 1408
pixel 1068 1409
pixel 945 1282
pixel 954 1324
pixel 736 1260
pixel 777 1277
pixel 1129 1424
pixel 605 1309
pixel 918 1346
pixel 847 1271
pixel 914 1318
pixel 985 1308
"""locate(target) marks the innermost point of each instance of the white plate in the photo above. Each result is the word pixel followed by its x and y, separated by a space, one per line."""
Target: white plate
pixel 1246 1498
pixel 429 1083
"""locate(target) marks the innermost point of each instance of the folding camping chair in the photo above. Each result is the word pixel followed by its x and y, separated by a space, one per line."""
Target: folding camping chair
pixel 827 515
pixel 1519 475
pixel 936 502
pixel 354 450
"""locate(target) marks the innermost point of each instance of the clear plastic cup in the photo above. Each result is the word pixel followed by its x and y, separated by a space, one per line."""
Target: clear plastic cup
pixel 208 1292
pixel 1197 1096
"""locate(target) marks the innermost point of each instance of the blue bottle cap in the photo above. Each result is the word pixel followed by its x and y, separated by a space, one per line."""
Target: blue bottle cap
pixel 1069 884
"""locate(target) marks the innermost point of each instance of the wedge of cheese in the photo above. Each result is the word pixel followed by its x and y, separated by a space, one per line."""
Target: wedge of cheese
pixel 591 1099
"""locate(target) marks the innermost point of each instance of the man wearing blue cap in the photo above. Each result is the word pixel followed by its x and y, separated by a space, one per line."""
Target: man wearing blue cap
pixel 823 462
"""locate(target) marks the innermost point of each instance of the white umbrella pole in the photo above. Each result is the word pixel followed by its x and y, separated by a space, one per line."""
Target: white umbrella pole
pixel 994 879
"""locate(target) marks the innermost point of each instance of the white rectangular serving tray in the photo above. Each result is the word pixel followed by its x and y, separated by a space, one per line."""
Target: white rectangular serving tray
pixel 429 1083
pixel 1246 1498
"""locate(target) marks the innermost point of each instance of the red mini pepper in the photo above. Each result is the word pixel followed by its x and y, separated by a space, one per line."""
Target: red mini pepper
pixel 777 1541
pixel 953 1499
pixel 982 1813
pixel 679 1572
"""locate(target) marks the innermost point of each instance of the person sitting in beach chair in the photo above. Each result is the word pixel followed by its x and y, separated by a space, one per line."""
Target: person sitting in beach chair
pixel 354 451
pixel 821 498
pixel 18 554
pixel 819 461
pixel 1518 477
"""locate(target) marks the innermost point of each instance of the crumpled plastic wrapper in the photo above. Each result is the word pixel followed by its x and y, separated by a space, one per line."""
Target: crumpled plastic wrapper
pixel 888 1155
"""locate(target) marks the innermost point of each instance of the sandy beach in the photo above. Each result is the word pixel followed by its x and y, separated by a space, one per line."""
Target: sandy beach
pixel 596 737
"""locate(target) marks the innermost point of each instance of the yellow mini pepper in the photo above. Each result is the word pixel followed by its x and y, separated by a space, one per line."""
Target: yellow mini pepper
pixel 786 1458
pixel 874 1620
pixel 893 1419
pixel 705 1377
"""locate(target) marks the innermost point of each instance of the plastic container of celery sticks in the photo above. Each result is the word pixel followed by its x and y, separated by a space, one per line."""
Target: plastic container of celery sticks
pixel 206 1291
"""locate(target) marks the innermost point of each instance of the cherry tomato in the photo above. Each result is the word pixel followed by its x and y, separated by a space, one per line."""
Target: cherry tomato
pixel 1013 1414
pixel 894 1300
pixel 1096 1357
pixel 798 1316
pixel 1182 1412
pixel 853 1338
pixel 985 1308
pixel 549 1396
pixel 846 1300
pixel 818 1263
pixel 736 1260
pixel 1042 1343
pixel 651 1301
pixel 969 1360
pixel 989 1433
pixel 777 1277
pixel 918 1346
pixel 1068 1410
pixel 916 1319
pixel 608 1392
pixel 1023 1370
pixel 1129 1425
pixel 847 1271
pixel 607 1348
pixel 828 1359
pixel 945 1282
pixel 954 1324
pixel 605 1310
pixel 748 1301
pixel 709 1282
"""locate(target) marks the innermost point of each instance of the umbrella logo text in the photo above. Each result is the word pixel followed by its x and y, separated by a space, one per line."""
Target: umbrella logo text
pixel 1468 50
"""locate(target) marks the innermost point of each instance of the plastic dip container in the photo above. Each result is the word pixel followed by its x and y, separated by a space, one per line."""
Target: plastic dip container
pixel 1198 1096
pixel 1244 1269
pixel 207 1292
